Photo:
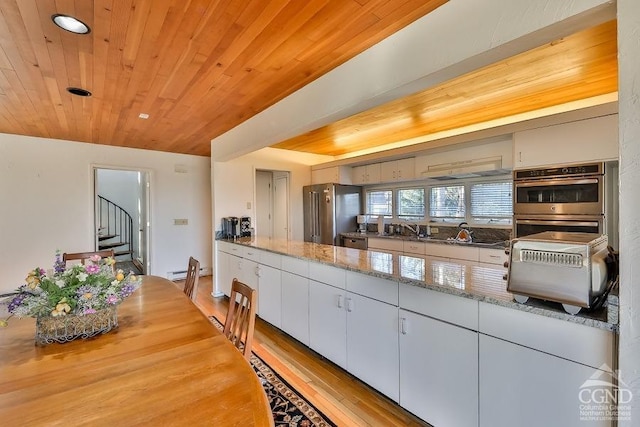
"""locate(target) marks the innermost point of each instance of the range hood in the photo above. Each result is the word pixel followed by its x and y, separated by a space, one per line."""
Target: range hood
pixel 487 166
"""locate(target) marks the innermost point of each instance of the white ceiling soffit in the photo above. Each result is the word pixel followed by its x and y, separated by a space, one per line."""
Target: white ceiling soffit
pixel 413 59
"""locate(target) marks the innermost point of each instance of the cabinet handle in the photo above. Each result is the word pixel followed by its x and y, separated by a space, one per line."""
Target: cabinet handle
pixel 349 305
pixel 339 301
pixel 257 270
pixel 403 325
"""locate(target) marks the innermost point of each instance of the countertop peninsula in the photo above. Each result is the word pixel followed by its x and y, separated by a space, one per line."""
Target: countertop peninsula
pixel 467 279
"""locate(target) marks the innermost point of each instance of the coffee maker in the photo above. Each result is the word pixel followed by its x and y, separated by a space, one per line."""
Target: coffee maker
pixel 245 226
pixel 230 227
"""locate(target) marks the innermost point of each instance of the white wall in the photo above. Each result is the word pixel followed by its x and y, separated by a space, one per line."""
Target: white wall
pixel 234 184
pixel 46 203
pixel 629 129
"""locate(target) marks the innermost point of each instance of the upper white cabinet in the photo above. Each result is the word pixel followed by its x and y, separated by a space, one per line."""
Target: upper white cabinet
pixel 335 175
pixel 582 141
pixel 367 174
pixel 398 170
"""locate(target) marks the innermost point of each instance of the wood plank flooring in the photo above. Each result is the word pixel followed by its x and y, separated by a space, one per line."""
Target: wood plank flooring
pixel 341 396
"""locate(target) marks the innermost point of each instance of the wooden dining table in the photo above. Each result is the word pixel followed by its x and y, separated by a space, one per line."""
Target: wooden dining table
pixel 164 365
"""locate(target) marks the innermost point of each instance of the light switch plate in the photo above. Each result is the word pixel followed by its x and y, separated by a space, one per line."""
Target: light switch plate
pixel 248 205
pixel 180 221
pixel 434 230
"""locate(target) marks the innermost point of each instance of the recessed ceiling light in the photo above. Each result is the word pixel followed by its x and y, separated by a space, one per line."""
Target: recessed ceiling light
pixel 78 91
pixel 71 24
pixel 143 115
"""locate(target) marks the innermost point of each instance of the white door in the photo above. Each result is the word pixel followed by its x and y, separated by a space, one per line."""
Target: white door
pixel 264 207
pixel 439 372
pixel 328 322
pixel 373 357
pixel 281 206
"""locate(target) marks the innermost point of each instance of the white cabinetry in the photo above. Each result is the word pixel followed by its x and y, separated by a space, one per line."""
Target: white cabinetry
pixel 270 294
pixel 335 174
pixel 394 246
pixel 366 174
pixel 413 247
pixel 453 251
pixel 398 170
pixel 439 371
pixel 548 387
pixel 295 306
pixel 328 322
pixel 493 256
pixel 588 140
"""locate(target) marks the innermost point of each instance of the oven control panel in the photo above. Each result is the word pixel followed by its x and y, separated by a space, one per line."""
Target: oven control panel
pixel 560 171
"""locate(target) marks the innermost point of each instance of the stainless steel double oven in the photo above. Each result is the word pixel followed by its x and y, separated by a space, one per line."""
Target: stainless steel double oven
pixel 578 197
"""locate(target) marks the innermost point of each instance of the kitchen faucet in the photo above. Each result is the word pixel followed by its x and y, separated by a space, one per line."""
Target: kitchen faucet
pixel 416 231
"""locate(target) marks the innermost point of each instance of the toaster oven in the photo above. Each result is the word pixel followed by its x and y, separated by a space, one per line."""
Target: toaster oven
pixel 565 267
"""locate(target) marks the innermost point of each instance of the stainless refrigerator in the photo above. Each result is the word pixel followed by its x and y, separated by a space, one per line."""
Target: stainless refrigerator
pixel 330 209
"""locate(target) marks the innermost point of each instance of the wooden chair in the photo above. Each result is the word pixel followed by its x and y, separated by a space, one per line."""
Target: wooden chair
pixel 193 274
pixel 241 317
pixel 84 256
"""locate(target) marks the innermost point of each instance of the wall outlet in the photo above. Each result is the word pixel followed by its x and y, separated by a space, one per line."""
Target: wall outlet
pixel 434 230
pixel 180 221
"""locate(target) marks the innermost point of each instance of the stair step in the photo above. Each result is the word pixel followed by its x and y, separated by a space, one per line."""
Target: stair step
pixel 102 237
pixel 122 253
pixel 111 245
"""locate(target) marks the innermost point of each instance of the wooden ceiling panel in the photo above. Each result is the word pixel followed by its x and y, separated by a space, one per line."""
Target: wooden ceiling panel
pixel 198 68
pixel 578 67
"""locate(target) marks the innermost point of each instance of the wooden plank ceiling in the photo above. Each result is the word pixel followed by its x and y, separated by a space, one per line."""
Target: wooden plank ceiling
pixel 197 67
pixel 577 67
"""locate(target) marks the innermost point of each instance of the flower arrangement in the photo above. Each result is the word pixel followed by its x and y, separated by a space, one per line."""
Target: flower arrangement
pixel 79 290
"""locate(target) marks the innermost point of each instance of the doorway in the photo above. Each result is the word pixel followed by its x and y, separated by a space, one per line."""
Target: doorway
pixel 121 216
pixel 272 204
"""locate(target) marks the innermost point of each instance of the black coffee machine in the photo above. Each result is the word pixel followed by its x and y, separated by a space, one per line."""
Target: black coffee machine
pixel 230 227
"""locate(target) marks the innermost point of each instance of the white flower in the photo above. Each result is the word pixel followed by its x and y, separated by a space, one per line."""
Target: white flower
pixel 82 276
pixel 60 283
pixel 115 282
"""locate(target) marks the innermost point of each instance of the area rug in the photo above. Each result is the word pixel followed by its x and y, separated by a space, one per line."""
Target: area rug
pixel 288 406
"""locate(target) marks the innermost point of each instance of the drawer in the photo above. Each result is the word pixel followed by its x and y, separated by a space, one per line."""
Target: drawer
pixel 373 287
pixel 386 244
pixel 251 253
pixel 411 247
pixel 493 256
pixel 296 266
pixel 439 305
pixel 579 343
pixel 270 259
pixel 444 250
pixel 326 274
pixel 230 248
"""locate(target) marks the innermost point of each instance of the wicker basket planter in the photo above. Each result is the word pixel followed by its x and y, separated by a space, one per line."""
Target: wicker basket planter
pixel 63 329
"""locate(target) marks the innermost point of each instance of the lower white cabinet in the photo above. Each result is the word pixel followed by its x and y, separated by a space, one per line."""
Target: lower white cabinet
pixel 439 371
pixel 295 306
pixel 270 294
pixel 223 274
pixel 372 343
pixel 328 322
pixel 523 387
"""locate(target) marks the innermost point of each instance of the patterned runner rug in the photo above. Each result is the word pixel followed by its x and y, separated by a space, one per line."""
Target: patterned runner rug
pixel 289 407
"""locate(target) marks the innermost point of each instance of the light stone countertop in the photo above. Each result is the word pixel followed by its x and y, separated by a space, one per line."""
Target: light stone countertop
pixel 467 279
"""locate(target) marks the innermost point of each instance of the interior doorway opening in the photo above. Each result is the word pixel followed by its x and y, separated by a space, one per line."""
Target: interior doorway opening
pixel 121 216
pixel 272 204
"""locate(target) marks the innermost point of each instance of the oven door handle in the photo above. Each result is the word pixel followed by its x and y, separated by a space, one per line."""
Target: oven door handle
pixel 553 222
pixel 545 183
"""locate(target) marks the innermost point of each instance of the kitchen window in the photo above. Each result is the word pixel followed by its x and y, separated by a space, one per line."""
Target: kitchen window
pixel 446 203
pixel 492 202
pixel 411 203
pixel 380 202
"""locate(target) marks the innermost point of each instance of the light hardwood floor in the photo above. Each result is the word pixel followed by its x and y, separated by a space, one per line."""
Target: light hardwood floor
pixel 339 395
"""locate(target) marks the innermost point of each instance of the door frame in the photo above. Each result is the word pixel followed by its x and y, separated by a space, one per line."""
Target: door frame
pixel 273 172
pixel 146 248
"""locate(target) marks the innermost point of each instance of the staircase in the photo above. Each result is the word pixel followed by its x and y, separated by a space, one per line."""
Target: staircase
pixel 115 229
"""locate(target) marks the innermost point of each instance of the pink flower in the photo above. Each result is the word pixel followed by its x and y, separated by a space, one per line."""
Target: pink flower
pixel 112 299
pixel 92 269
pixel 95 258
pixel 89 311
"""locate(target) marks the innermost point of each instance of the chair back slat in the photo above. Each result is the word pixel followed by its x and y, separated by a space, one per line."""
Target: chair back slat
pixel 193 276
pixel 84 256
pixel 240 321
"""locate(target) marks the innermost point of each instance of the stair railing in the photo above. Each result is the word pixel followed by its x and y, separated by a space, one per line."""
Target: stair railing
pixel 117 223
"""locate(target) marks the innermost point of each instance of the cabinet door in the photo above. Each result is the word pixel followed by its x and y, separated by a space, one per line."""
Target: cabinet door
pixel 388 171
pixel 493 256
pixel 439 371
pixel 295 306
pixel 373 173
pixel 406 169
pixel 247 274
pixel 524 387
pixel 270 284
pixel 372 343
pixel 223 273
pixel 359 174
pixel 328 322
